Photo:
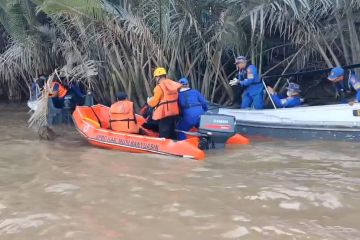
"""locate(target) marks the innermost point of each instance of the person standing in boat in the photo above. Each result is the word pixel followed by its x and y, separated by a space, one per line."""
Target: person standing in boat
pixel 165 102
pixel 343 86
pixel 293 98
pixel 192 105
pixel 122 115
pixel 249 78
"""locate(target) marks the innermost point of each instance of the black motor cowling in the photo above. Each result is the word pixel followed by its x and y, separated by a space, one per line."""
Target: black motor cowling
pixel 69 102
pixel 217 129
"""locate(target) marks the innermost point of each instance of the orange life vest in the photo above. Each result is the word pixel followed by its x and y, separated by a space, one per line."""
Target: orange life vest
pixel 62 90
pixel 122 117
pixel 168 105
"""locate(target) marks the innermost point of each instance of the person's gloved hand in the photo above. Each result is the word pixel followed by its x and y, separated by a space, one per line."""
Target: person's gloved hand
pixel 234 82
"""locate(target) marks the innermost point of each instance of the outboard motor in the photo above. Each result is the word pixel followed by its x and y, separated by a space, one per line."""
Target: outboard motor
pixel 215 130
pixel 68 108
pixel 89 99
pixel 68 102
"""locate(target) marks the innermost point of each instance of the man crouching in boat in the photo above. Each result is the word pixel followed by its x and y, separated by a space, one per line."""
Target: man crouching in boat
pixel 58 92
pixel 293 98
pixel 192 105
pixel 165 102
pixel 337 76
pixel 249 78
pixel 122 115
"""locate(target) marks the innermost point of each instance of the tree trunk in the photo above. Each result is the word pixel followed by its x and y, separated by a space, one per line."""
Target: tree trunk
pixel 342 39
pixel 354 38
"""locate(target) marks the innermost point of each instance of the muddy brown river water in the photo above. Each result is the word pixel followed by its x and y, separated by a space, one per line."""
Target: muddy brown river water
pixel 271 189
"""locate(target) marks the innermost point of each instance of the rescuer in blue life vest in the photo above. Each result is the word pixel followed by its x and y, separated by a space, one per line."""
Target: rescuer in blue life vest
pixel 292 99
pixel 249 78
pixel 343 86
pixel 192 105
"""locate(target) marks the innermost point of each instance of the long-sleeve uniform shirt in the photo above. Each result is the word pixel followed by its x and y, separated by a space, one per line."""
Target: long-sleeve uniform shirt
pixel 250 79
pixel 192 105
pixel 253 93
pixel 286 102
pixel 343 88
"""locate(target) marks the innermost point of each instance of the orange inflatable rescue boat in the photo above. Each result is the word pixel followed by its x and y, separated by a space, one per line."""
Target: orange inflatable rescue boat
pixel 94 124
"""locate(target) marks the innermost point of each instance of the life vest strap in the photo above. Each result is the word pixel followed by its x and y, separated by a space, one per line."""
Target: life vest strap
pixel 167 102
pixel 124 120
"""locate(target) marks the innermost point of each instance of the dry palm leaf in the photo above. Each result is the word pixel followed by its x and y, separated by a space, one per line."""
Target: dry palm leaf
pixel 39 119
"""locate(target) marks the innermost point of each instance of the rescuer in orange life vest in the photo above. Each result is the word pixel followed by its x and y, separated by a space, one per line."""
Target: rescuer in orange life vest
pixel 122 115
pixel 165 102
pixel 58 93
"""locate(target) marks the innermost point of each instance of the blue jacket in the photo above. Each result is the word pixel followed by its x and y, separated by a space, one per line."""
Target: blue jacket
pixel 192 103
pixel 284 102
pixel 344 87
pixel 354 82
pixel 250 79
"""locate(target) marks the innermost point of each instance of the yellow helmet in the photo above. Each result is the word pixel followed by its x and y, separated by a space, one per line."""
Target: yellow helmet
pixel 159 72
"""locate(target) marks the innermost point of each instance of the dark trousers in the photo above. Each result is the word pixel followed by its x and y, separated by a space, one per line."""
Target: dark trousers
pixel 167 127
pixel 58 102
pixel 151 125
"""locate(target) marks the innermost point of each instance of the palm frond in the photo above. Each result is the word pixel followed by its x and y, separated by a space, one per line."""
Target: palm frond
pixel 39 117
